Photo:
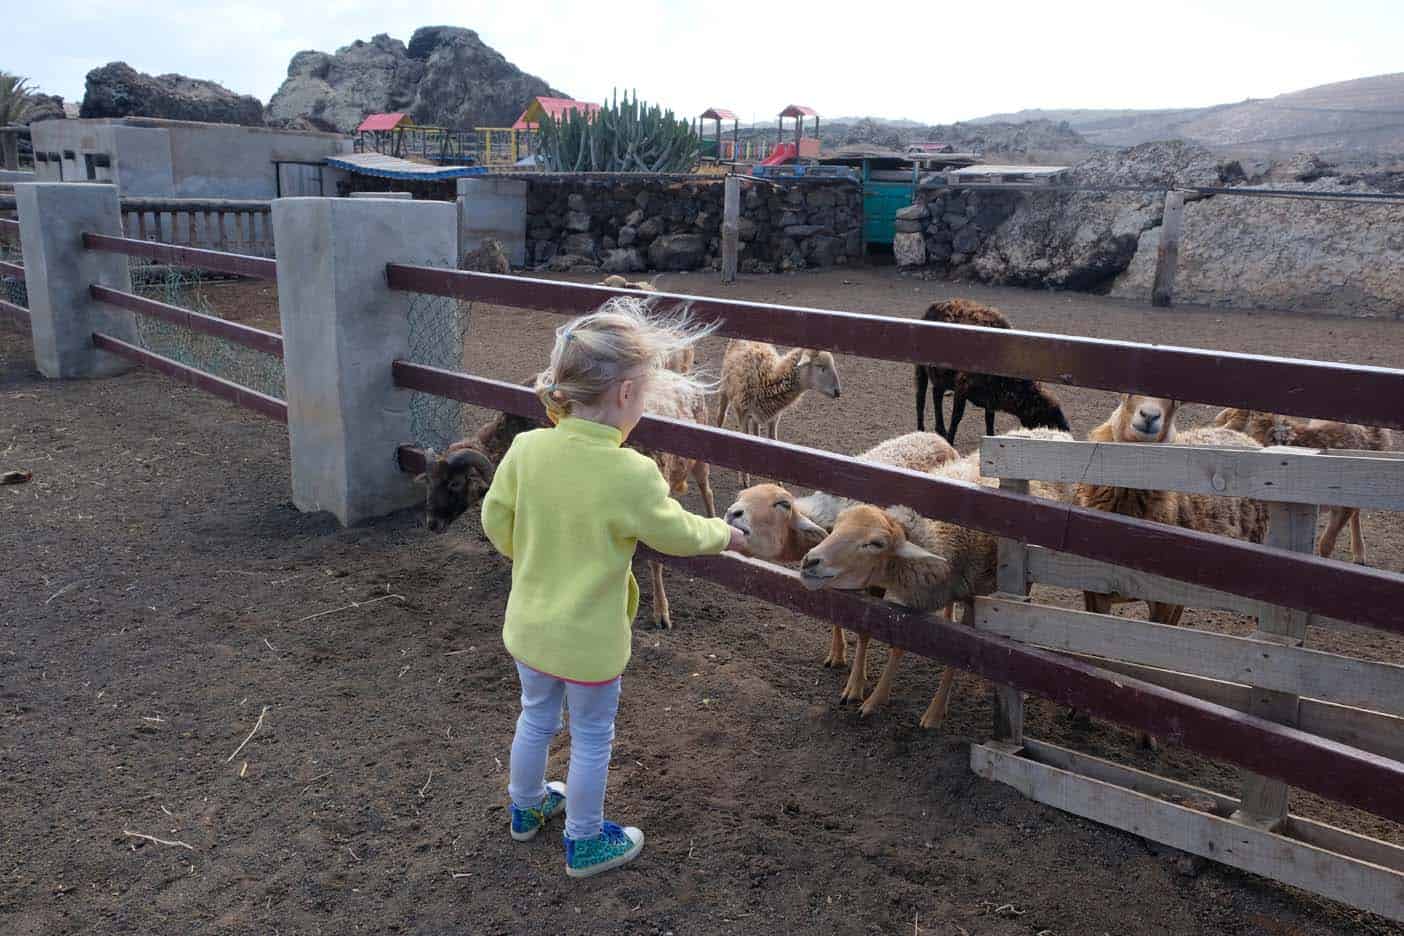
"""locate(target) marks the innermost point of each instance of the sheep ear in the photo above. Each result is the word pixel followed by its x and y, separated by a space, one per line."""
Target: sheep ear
pixel 911 551
pixel 802 524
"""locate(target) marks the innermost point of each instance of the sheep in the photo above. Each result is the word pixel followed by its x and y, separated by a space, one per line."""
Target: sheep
pixel 489 257
pixel 1271 429
pixel 1152 420
pixel 1034 406
pixel 759 384
pixel 919 563
pixel 781 528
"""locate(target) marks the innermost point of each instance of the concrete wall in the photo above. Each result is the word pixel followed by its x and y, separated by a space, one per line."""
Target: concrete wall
pixel 176 159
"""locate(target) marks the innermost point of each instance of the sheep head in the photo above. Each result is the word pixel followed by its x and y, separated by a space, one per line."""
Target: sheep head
pixel 1044 411
pixel 868 548
pixel 453 481
pixel 817 372
pixel 1145 419
pixel 775 528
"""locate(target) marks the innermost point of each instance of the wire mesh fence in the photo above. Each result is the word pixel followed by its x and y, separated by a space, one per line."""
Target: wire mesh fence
pixel 214 355
pixel 12 289
pixel 437 326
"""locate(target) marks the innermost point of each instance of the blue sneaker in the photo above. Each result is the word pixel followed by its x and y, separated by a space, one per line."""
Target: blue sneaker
pixel 527 822
pixel 614 846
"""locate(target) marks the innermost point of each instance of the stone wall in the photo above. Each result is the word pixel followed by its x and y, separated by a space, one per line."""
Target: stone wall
pixel 632 226
pixel 945 229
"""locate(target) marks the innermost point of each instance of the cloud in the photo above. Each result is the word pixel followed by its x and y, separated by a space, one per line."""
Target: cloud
pixel 903 59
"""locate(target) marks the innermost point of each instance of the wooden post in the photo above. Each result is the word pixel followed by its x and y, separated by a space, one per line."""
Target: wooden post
pixel 1293 526
pixel 731 228
pixel 1167 257
pixel 1011 578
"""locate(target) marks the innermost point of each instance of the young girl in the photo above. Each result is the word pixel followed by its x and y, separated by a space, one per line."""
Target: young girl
pixel 568 505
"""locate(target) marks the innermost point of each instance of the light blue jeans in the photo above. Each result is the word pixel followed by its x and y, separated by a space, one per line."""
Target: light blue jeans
pixel 592 710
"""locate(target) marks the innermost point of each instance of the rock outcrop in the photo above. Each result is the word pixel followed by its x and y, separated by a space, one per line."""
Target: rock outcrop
pixel 44 107
pixel 118 90
pixel 445 77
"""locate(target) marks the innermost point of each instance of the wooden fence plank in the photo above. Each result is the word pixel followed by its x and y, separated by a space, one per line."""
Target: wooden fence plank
pixel 1370 731
pixel 1281 473
pixel 1269 665
pixel 1352 393
pixel 1063 570
pixel 1356 593
pixel 1292 526
pixel 1011 578
pixel 1341 841
pixel 1167 255
pixel 1355 883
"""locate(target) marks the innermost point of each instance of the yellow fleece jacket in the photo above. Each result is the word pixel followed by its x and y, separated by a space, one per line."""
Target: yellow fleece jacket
pixel 568 505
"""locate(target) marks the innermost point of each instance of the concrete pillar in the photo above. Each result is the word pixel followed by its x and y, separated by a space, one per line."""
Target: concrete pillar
pixel 404 196
pixel 491 206
pixel 342 327
pixel 58 271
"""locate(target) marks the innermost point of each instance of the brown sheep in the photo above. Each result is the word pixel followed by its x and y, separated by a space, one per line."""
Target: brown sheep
pixel 758 384
pixel 1034 406
pixel 1152 419
pixel 781 527
pixel 1271 429
pixel 489 257
pixel 919 563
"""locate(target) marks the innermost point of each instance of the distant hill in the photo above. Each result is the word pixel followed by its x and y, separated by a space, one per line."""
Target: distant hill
pixel 1364 114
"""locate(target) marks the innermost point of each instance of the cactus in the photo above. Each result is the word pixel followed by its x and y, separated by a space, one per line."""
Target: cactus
pixel 622 136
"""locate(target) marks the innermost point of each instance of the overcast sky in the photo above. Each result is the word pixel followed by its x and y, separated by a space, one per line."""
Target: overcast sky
pixel 933 62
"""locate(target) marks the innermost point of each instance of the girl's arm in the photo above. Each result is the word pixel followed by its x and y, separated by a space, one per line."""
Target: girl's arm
pixel 500 505
pixel 661 523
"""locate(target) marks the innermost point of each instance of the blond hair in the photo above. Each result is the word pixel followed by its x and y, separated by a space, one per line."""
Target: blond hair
pixel 624 338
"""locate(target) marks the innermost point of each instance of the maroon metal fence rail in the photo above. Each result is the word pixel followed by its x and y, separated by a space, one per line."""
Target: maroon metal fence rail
pixel 1334 770
pixel 260 403
pixel 1295 580
pixel 246 335
pixel 9 229
pixel 218 260
pixel 12 269
pixel 18 312
pixel 1346 392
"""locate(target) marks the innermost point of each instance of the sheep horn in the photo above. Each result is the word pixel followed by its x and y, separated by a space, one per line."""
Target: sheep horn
pixel 467 458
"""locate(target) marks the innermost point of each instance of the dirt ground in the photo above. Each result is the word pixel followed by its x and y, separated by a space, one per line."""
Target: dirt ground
pixel 160 593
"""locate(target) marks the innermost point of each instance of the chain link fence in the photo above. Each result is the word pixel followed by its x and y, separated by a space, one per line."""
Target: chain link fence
pixel 437 326
pixel 233 362
pixel 12 289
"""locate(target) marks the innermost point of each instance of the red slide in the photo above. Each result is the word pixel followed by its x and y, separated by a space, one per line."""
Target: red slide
pixel 782 154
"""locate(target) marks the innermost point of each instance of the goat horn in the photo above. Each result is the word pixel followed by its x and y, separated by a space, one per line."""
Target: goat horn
pixel 471 458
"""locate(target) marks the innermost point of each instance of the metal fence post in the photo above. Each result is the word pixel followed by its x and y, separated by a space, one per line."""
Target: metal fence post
pixel 58 271
pixel 342 328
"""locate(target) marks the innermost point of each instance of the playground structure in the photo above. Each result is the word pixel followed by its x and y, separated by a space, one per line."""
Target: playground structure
pixel 396 134
pixel 803 147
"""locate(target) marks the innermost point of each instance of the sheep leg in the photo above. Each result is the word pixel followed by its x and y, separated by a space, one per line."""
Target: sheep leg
pixel 923 379
pixel 662 619
pixel 858 675
pixel 1096 602
pixel 721 410
pixel 938 403
pixel 1162 613
pixel 1327 545
pixel 957 413
pixel 838 649
pixel 702 474
pixel 935 713
pixel 749 426
pixel 989 421
pixel 883 690
pixel 1357 541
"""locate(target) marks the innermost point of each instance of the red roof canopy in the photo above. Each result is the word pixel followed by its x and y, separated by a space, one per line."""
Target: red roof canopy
pixel 717 113
pixel 555 108
pixel 381 122
pixel 799 110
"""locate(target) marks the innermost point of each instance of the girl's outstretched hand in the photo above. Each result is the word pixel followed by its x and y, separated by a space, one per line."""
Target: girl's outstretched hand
pixel 738 541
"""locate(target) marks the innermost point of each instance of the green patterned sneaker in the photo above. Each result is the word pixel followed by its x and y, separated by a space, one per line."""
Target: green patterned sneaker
pixel 614 846
pixel 527 822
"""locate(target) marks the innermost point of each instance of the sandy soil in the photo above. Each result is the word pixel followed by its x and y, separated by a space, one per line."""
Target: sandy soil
pixel 160 592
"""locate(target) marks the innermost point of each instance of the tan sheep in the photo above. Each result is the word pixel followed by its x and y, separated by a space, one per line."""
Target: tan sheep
pixel 781 528
pixel 489 257
pixel 919 563
pixel 1272 429
pixel 758 384
pixel 1152 420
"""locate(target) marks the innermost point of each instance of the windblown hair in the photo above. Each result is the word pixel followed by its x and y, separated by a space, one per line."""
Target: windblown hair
pixel 624 338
